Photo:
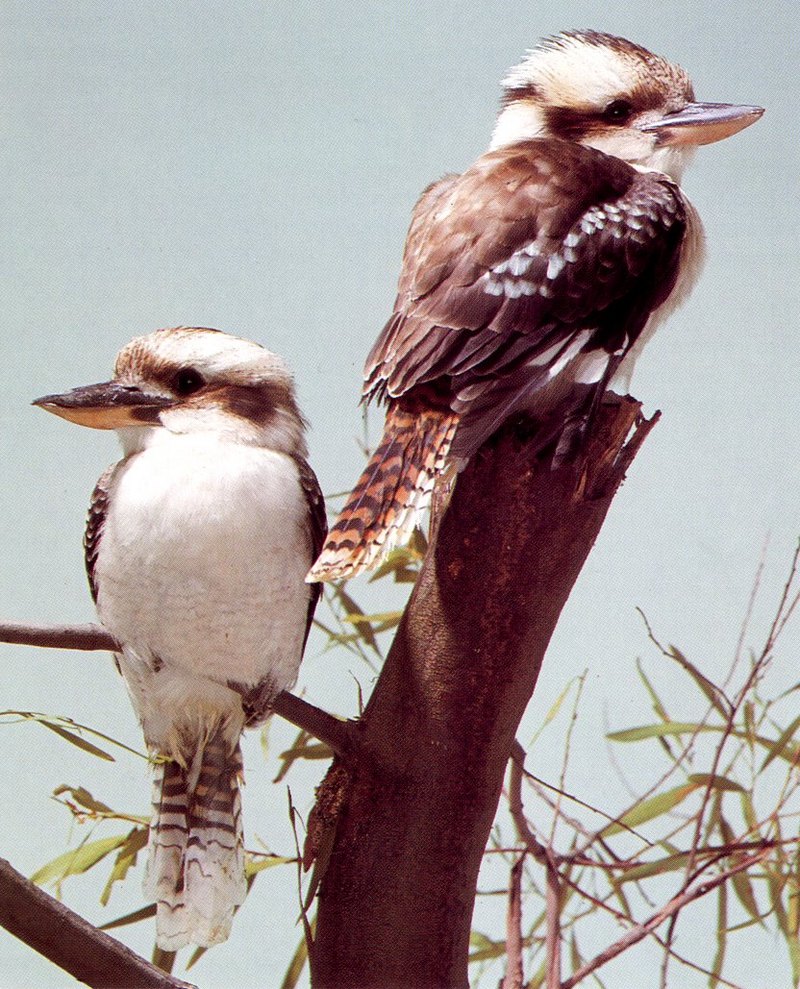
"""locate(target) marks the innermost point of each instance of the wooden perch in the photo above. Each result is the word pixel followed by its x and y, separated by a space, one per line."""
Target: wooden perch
pixel 58 933
pixel 334 732
pixel 420 796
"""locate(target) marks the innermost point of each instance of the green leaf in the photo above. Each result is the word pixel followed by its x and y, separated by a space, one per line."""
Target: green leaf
pixel 741 881
pixel 574 952
pixel 195 957
pixel 537 979
pixel 789 753
pixel 781 743
pixel 658 707
pixel 711 691
pixel 722 936
pixel 484 947
pixel 749 812
pixel 775 884
pixel 749 723
pixel 670 863
pixel 402 564
pixel 82 796
pixel 478 939
pixel 651 808
pixel 363 627
pixel 134 843
pixel 254 865
pixel 716 782
pixel 379 621
pixel 658 731
pixel 78 860
pixel 76 740
pixel 557 704
pixel 296 966
pixel 66 727
pixel 302 748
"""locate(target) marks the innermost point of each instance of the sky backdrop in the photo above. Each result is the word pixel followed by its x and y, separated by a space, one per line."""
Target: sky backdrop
pixel 252 166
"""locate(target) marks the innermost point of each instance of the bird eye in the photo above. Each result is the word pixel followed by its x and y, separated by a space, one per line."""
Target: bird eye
pixel 617 111
pixel 187 381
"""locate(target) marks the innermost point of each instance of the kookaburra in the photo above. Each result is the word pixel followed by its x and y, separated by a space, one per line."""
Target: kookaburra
pixel 530 282
pixel 197 545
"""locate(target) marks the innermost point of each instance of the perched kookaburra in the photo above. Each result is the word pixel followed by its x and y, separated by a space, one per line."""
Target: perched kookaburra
pixel 197 545
pixel 530 283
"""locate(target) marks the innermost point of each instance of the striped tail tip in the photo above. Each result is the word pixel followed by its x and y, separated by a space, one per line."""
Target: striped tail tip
pixel 195 869
pixel 391 494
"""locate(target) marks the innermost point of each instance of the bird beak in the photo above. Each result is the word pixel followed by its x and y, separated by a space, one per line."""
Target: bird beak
pixel 109 405
pixel 703 123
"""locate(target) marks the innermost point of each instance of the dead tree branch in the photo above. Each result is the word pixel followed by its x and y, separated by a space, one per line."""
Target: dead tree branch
pixel 415 816
pixel 669 910
pixel 72 943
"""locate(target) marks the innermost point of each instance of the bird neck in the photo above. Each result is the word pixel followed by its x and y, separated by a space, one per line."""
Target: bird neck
pixel 519 121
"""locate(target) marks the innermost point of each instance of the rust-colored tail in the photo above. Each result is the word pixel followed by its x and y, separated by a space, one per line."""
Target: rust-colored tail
pixel 389 496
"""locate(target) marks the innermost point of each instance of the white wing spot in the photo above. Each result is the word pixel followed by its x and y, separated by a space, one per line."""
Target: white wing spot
pixel 492 286
pixel 555 265
pixel 518 263
pixel 514 288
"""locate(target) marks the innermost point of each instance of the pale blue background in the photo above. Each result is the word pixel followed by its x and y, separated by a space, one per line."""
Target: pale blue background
pixel 252 166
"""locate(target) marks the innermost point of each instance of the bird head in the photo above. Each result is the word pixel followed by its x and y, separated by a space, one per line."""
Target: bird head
pixel 190 380
pixel 611 94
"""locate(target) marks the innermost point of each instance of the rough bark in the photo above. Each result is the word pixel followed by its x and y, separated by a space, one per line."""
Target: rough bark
pixel 423 784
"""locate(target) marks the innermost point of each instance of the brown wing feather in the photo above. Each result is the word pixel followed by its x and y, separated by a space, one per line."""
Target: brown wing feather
pixel 528 250
pixel 95 519
pixel 317 527
pixel 535 255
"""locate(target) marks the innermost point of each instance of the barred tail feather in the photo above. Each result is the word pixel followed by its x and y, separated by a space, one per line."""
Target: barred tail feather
pixel 195 871
pixel 390 495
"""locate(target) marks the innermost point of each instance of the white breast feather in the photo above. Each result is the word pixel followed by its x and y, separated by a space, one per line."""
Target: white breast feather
pixel 206 575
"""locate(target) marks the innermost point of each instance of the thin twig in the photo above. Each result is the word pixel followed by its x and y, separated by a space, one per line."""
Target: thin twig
pixel 85 637
pixel 693 965
pixel 552 902
pixel 670 937
pixel 514 977
pixel 748 615
pixel 546 857
pixel 668 910
pixel 785 609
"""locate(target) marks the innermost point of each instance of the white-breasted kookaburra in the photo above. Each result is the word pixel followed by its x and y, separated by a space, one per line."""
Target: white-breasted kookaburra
pixel 530 282
pixel 197 545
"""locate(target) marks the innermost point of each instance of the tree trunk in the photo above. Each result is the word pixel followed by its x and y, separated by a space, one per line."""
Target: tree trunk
pixel 422 788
